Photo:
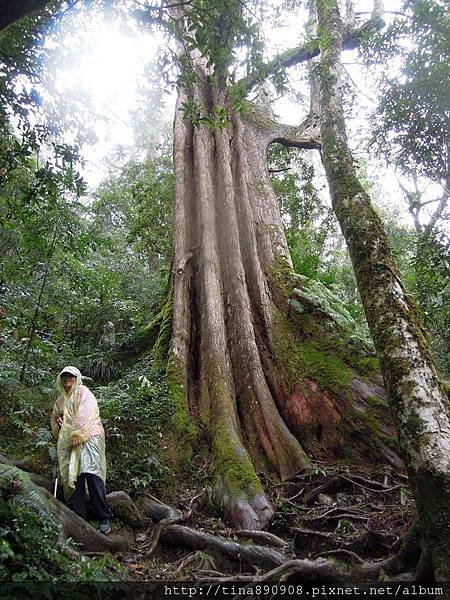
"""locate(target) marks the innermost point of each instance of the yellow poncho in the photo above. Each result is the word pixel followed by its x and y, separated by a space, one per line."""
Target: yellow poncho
pixel 81 418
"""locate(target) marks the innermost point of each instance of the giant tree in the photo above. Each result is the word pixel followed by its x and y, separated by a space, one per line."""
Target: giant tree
pixel 237 365
pixel 234 340
pixel 263 364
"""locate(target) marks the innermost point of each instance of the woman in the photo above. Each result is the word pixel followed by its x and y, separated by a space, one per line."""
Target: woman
pixel 81 447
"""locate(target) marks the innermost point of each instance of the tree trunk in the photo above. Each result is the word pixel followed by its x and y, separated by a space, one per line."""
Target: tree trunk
pixel 416 396
pixel 237 366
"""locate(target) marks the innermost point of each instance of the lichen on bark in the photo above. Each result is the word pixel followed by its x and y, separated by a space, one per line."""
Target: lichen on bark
pixel 414 390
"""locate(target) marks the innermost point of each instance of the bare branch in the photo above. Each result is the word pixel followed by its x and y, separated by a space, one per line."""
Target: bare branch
pixel 349 12
pixel 415 205
pixel 437 214
pixel 280 171
pixel 163 6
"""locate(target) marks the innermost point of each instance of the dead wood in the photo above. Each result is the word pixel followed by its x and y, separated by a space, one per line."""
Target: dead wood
pixel 365 487
pixel 333 482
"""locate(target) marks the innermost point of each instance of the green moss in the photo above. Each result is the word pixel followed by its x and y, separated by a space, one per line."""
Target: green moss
pixel 304 358
pixel 233 467
pixel 236 472
pixel 349 455
pixel 365 365
pixel 389 440
pixel 370 422
pixel 414 425
pixel 281 278
pixel 327 369
pixel 177 395
pixel 161 345
pixel 377 402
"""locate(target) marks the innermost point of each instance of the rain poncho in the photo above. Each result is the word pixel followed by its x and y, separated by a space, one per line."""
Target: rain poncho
pixel 81 418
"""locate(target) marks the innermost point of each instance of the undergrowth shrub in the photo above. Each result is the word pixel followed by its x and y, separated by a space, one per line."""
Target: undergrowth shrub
pixel 31 547
pixel 135 410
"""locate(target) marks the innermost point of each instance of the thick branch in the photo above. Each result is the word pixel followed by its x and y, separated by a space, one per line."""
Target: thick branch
pixel 306 135
pixel 307 51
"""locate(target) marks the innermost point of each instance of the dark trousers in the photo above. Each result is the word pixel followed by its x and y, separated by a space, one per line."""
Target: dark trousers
pixel 78 501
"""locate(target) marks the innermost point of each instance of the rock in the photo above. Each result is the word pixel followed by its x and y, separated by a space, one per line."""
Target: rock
pixel 125 509
pixel 325 500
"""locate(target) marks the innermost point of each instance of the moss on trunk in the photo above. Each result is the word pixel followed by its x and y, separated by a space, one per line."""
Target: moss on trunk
pixel 414 391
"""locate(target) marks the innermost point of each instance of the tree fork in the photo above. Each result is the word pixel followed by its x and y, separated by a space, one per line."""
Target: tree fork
pixel 416 395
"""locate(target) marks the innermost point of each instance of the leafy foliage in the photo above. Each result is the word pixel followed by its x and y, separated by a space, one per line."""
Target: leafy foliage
pixel 136 410
pixel 31 547
pixel 411 125
pixel 310 224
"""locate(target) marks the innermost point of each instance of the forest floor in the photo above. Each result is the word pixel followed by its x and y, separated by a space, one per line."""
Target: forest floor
pixel 358 514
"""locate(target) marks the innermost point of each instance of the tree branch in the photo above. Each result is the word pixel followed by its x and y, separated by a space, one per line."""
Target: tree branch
pixel 443 201
pixel 307 51
pixel 306 135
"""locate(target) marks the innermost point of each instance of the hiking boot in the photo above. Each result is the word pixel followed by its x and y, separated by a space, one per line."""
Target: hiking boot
pixel 103 527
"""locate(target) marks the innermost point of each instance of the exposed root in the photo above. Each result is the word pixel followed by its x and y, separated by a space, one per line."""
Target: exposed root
pixel 338 550
pixel 237 554
pixel 153 541
pixel 88 538
pixel 259 536
pixel 345 552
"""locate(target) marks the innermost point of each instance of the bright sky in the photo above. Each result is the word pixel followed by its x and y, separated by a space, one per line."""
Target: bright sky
pixel 110 71
pixel 108 74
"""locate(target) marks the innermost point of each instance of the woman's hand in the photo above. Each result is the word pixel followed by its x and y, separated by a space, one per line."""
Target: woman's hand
pixel 75 441
pixel 59 420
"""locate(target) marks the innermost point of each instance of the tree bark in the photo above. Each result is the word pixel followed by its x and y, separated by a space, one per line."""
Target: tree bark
pixel 231 293
pixel 415 393
pixel 221 305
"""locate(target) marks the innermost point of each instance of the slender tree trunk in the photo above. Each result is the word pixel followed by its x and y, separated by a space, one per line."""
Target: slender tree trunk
pixel 415 393
pixel 34 320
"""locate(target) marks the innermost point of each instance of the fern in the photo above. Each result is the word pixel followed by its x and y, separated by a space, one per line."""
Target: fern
pixel 43 437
